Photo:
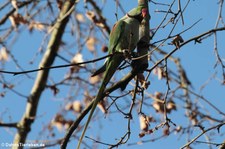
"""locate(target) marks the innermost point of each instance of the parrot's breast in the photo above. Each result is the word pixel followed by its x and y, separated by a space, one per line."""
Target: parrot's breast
pixel 131 34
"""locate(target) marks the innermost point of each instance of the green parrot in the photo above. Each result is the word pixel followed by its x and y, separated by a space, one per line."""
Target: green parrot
pixel 124 36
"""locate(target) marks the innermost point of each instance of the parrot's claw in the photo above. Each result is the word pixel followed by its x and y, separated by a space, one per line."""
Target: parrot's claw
pixel 126 53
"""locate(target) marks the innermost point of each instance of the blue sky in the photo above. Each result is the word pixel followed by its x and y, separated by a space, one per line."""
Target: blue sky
pixel 197 59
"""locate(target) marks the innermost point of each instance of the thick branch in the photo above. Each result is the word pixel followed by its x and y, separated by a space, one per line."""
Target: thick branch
pixel 28 118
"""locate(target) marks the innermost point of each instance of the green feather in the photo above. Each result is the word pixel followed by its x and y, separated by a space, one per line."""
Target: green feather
pixel 124 36
pixel 115 35
pixel 136 11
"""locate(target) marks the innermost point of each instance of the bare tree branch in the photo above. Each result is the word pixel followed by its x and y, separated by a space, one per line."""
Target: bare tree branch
pixel 203 132
pixel 29 116
pixel 8 125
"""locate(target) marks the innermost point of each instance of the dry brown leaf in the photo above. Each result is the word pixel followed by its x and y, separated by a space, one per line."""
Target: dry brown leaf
pixel 159 72
pixel 2 94
pixel 10 86
pixel 17 19
pixel 14 4
pixel 68 124
pixel 78 58
pixel 69 107
pixel 36 25
pixel 141 78
pixel 158 106
pixel 141 134
pixel 91 15
pixel 177 40
pixel 158 95
pixel 58 122
pixel 80 17
pixel 178 129
pixel 102 106
pixel 88 98
pixel 13 22
pixel 150 131
pixel 150 119
pixel 166 131
pixel 77 106
pixel 193 117
pixel 95 79
pixel 4 56
pixel 146 84
pixel 91 43
pixel 100 24
pixel 58 125
pixel 143 123
pixel 59 118
pixel 143 82
pixel 171 106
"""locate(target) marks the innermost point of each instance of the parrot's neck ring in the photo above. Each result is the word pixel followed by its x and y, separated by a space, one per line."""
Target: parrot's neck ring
pixel 137 17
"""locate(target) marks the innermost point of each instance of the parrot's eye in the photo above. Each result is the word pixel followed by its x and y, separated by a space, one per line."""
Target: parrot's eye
pixel 139 15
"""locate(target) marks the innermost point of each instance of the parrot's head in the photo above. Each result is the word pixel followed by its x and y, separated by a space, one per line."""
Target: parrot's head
pixel 138 13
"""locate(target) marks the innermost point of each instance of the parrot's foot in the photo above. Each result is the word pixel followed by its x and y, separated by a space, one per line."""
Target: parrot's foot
pixel 126 53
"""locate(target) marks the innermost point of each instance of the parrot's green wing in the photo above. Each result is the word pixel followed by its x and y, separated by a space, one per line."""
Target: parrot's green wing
pixel 115 37
pixel 124 35
pixel 111 66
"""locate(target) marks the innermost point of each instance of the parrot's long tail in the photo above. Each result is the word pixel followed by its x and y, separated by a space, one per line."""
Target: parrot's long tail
pixel 110 70
pixel 100 70
pixel 97 99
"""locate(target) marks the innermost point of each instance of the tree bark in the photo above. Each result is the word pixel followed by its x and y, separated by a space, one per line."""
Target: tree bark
pixel 143 45
pixel 24 126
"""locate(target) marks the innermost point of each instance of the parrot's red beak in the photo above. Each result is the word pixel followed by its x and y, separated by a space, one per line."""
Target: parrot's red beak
pixel 144 12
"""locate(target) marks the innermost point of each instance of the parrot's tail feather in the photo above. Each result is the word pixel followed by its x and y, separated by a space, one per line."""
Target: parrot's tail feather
pixel 100 70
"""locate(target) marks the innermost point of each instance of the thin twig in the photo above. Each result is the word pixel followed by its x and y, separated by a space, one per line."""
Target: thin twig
pixel 54 67
pixel 14 125
pixel 203 132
